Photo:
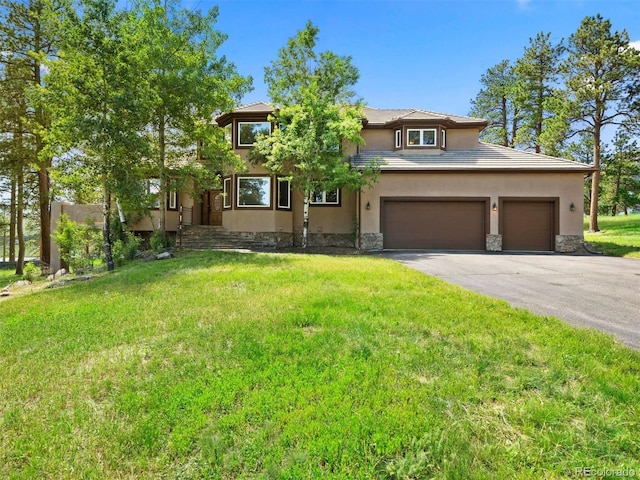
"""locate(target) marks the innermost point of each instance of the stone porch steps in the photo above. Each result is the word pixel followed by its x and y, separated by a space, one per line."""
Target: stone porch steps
pixel 209 237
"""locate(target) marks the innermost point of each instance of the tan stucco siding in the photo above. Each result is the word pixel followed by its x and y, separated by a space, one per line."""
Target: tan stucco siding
pixel 150 222
pixel 567 187
pixel 327 219
pixel 378 139
pixel 462 138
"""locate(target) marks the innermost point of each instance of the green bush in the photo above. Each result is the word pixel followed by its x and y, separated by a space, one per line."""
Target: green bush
pixel 159 242
pixel 30 272
pixel 125 250
pixel 79 244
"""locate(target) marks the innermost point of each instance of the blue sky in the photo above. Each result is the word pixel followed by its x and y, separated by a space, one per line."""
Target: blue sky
pixel 426 54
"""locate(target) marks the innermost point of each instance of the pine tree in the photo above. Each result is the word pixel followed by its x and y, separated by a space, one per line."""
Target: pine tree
pixel 536 74
pixel 496 103
pixel 601 74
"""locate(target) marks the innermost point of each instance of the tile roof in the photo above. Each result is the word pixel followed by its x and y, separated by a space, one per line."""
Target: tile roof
pixel 381 116
pixel 487 157
pixel 257 107
pixel 374 116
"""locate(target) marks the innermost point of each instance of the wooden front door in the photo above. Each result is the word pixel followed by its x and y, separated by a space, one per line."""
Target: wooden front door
pixel 212 207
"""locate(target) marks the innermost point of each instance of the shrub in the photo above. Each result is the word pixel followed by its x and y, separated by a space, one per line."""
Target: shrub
pixel 30 272
pixel 159 242
pixel 125 250
pixel 80 245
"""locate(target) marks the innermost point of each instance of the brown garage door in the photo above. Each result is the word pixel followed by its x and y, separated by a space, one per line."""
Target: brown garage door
pixel 528 225
pixel 434 224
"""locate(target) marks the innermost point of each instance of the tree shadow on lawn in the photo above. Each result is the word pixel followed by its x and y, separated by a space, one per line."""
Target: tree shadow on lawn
pixel 611 248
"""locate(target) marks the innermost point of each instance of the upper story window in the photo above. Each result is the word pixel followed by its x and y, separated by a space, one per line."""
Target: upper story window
pixel 331 197
pixel 443 138
pixel 398 138
pixel 423 137
pixel 248 131
pixel 152 189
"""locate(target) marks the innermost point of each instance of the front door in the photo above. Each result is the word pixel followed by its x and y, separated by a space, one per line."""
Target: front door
pixel 212 207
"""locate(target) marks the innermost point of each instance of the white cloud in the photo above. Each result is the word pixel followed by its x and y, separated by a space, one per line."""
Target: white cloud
pixel 635 44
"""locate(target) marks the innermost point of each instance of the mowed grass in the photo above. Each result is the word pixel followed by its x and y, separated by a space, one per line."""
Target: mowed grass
pixel 618 236
pixel 8 276
pixel 228 365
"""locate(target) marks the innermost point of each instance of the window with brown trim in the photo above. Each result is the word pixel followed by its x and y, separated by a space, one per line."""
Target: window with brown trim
pixel 226 193
pixel 253 192
pixel 249 131
pixel 284 194
pixel 421 137
pixel 172 200
pixel 331 197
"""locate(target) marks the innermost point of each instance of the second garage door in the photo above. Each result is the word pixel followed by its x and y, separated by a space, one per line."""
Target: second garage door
pixel 528 224
pixel 434 224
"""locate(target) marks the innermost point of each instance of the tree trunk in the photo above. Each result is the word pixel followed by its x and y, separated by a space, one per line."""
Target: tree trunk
pixel 12 220
pixel 162 228
pixel 45 217
pixel 106 227
pixel 44 182
pixel 20 222
pixel 305 219
pixel 616 193
pixel 595 180
pixel 505 139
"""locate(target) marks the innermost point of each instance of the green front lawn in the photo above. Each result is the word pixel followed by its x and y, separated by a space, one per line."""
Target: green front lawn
pixel 7 276
pixel 230 365
pixel 618 236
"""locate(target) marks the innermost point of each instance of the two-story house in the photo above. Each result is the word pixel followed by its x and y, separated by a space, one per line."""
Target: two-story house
pixel 439 188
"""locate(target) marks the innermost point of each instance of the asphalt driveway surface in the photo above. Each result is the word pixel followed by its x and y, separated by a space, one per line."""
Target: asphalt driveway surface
pixel 585 290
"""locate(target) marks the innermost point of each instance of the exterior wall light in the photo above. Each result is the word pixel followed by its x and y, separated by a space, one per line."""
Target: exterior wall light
pixel 368 207
pixel 572 207
pixel 494 207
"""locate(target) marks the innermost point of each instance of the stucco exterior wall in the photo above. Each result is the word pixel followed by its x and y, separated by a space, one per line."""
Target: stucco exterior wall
pixel 325 218
pixel 378 139
pixel 462 138
pixel 567 187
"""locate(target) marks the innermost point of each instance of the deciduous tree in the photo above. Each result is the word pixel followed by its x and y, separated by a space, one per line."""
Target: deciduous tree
pixel 315 112
pixel 189 83
pixel 96 96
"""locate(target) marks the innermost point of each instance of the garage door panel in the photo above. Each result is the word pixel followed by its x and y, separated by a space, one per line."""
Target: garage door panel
pixel 528 225
pixel 451 225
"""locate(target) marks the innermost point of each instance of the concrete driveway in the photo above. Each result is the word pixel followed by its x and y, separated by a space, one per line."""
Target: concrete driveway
pixel 584 290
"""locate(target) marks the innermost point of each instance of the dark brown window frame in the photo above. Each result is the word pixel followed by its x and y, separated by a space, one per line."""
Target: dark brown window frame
pixel 236 206
pixel 235 134
pixel 277 189
pixel 323 204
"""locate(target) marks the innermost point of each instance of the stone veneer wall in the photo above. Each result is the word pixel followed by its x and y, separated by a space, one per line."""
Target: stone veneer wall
pixel 494 242
pixel 344 240
pixel 569 243
pixel 371 241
